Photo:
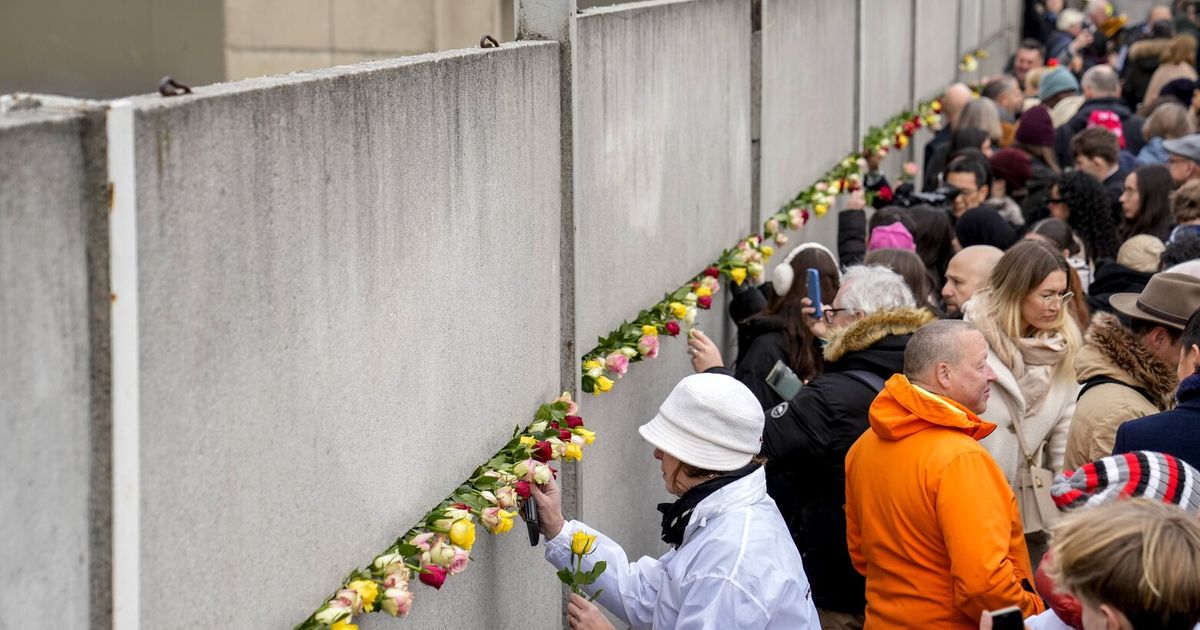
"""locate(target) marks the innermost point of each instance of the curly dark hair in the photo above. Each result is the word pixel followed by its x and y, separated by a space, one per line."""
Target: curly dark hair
pixel 1184 247
pixel 1091 213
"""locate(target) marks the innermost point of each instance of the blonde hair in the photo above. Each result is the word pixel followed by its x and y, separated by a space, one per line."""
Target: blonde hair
pixel 1033 78
pixel 1185 202
pixel 1139 556
pixel 1180 49
pixel 1020 270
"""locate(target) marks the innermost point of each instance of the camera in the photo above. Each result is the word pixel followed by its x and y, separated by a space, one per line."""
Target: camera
pixel 941 197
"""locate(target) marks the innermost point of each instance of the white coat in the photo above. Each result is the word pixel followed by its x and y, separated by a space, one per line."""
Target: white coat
pixel 737 568
pixel 1045 431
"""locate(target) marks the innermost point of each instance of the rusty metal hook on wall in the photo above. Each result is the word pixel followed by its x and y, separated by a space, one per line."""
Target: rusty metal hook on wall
pixel 487 41
pixel 171 87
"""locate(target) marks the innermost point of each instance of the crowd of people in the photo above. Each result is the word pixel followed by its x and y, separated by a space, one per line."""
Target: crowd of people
pixel 994 403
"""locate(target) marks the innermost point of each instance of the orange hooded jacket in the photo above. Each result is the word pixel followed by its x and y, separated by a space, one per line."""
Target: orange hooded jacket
pixel 930 519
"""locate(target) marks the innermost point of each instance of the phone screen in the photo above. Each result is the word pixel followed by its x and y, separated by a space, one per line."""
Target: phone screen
pixel 1007 619
pixel 784 381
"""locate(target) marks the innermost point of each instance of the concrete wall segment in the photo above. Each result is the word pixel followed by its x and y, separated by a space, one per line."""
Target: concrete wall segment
pixel 315 306
pixel 53 462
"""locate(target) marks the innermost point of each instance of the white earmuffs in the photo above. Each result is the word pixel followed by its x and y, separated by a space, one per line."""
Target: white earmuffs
pixel 783 275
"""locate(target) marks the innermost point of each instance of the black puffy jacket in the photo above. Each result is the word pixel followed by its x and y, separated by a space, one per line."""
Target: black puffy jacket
pixel 806 439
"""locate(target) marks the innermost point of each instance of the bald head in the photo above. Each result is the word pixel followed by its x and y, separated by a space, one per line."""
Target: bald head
pixel 954 100
pixel 1159 13
pixel 1100 81
pixel 949 357
pixel 967 273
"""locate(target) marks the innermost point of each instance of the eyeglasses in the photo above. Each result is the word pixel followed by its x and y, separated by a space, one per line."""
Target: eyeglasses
pixel 1057 299
pixel 829 313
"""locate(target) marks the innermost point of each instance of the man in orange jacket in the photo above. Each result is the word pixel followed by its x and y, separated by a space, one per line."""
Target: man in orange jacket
pixel 930 519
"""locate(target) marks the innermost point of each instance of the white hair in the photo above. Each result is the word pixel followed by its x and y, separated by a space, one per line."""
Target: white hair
pixel 1102 80
pixel 1069 18
pixel 869 288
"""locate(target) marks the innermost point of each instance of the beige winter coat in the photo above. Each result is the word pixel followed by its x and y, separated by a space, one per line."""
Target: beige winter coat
pixel 1111 350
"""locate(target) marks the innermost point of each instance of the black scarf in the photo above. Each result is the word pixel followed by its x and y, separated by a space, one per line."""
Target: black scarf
pixel 676 515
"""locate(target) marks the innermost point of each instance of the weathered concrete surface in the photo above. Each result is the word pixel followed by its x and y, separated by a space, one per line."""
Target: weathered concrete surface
pixel 348 299
pixel 808 104
pixel 887 60
pixel 54 536
pixel 969 13
pixel 662 171
pixel 937 59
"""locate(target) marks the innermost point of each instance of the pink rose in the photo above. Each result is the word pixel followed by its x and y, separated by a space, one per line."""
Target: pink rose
pixel 573 421
pixel 672 328
pixel 460 561
pixel 647 346
pixel 434 576
pixel 617 363
pixel 422 541
pixel 506 497
pixel 397 601
pixel 395 579
pixel 349 598
pixel 522 488
pixel 910 169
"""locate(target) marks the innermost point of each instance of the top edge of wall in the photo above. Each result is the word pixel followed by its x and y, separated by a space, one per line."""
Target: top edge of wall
pixel 153 100
pixel 22 108
pixel 628 7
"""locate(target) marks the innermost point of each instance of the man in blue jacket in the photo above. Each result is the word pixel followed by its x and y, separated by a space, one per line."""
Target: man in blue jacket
pixel 1175 432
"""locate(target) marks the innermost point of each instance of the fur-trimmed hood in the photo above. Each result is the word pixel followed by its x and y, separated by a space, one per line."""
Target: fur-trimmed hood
pixel 869 330
pixel 1112 350
pixel 1148 49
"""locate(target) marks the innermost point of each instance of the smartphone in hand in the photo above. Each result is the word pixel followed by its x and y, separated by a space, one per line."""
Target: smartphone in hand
pixel 784 381
pixel 814 291
pixel 1007 619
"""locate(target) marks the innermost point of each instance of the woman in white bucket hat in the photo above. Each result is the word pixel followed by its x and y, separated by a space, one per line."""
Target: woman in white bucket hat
pixel 732 563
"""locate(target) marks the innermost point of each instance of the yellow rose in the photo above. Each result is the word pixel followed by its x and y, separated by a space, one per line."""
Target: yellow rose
pixel 582 543
pixel 703 291
pixel 573 452
pixel 767 250
pixel 649 331
pixel 593 368
pixel 603 384
pixel 527 441
pixel 343 625
pixel 820 209
pixel 678 309
pixel 738 275
pixel 835 187
pixel 588 436
pixel 462 533
pixel 368 590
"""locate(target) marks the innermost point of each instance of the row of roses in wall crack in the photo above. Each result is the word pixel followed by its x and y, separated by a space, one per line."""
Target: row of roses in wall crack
pixel 439 546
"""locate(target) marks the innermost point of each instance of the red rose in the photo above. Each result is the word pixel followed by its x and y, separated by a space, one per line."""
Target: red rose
pixel 712 272
pixel 573 421
pixel 704 301
pixel 909 128
pixel 462 506
pixel 433 575
pixel 564 435
pixel 916 121
pixel 1053 63
pixel 522 488
pixel 672 328
pixel 804 215
pixel 542 451
pixel 885 193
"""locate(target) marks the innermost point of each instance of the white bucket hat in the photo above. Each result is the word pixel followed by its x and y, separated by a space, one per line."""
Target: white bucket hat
pixel 710 421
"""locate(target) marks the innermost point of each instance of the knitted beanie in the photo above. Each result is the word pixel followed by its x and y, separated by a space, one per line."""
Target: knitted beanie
pixel 1138 474
pixel 1108 121
pixel 891 236
pixel 1013 166
pixel 1035 128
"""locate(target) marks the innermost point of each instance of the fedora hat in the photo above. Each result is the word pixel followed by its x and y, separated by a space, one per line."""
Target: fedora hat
pixel 1168 299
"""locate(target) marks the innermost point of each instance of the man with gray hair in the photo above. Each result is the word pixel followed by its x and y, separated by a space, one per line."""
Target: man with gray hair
pixel 806 438
pixel 930 518
pixel 1102 92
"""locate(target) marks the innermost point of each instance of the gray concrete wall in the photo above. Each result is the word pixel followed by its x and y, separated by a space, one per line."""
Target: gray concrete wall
pixel 937 57
pixel 887 60
pixel 54 551
pixel 662 176
pixel 807 101
pixel 348 298
pixel 109 48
